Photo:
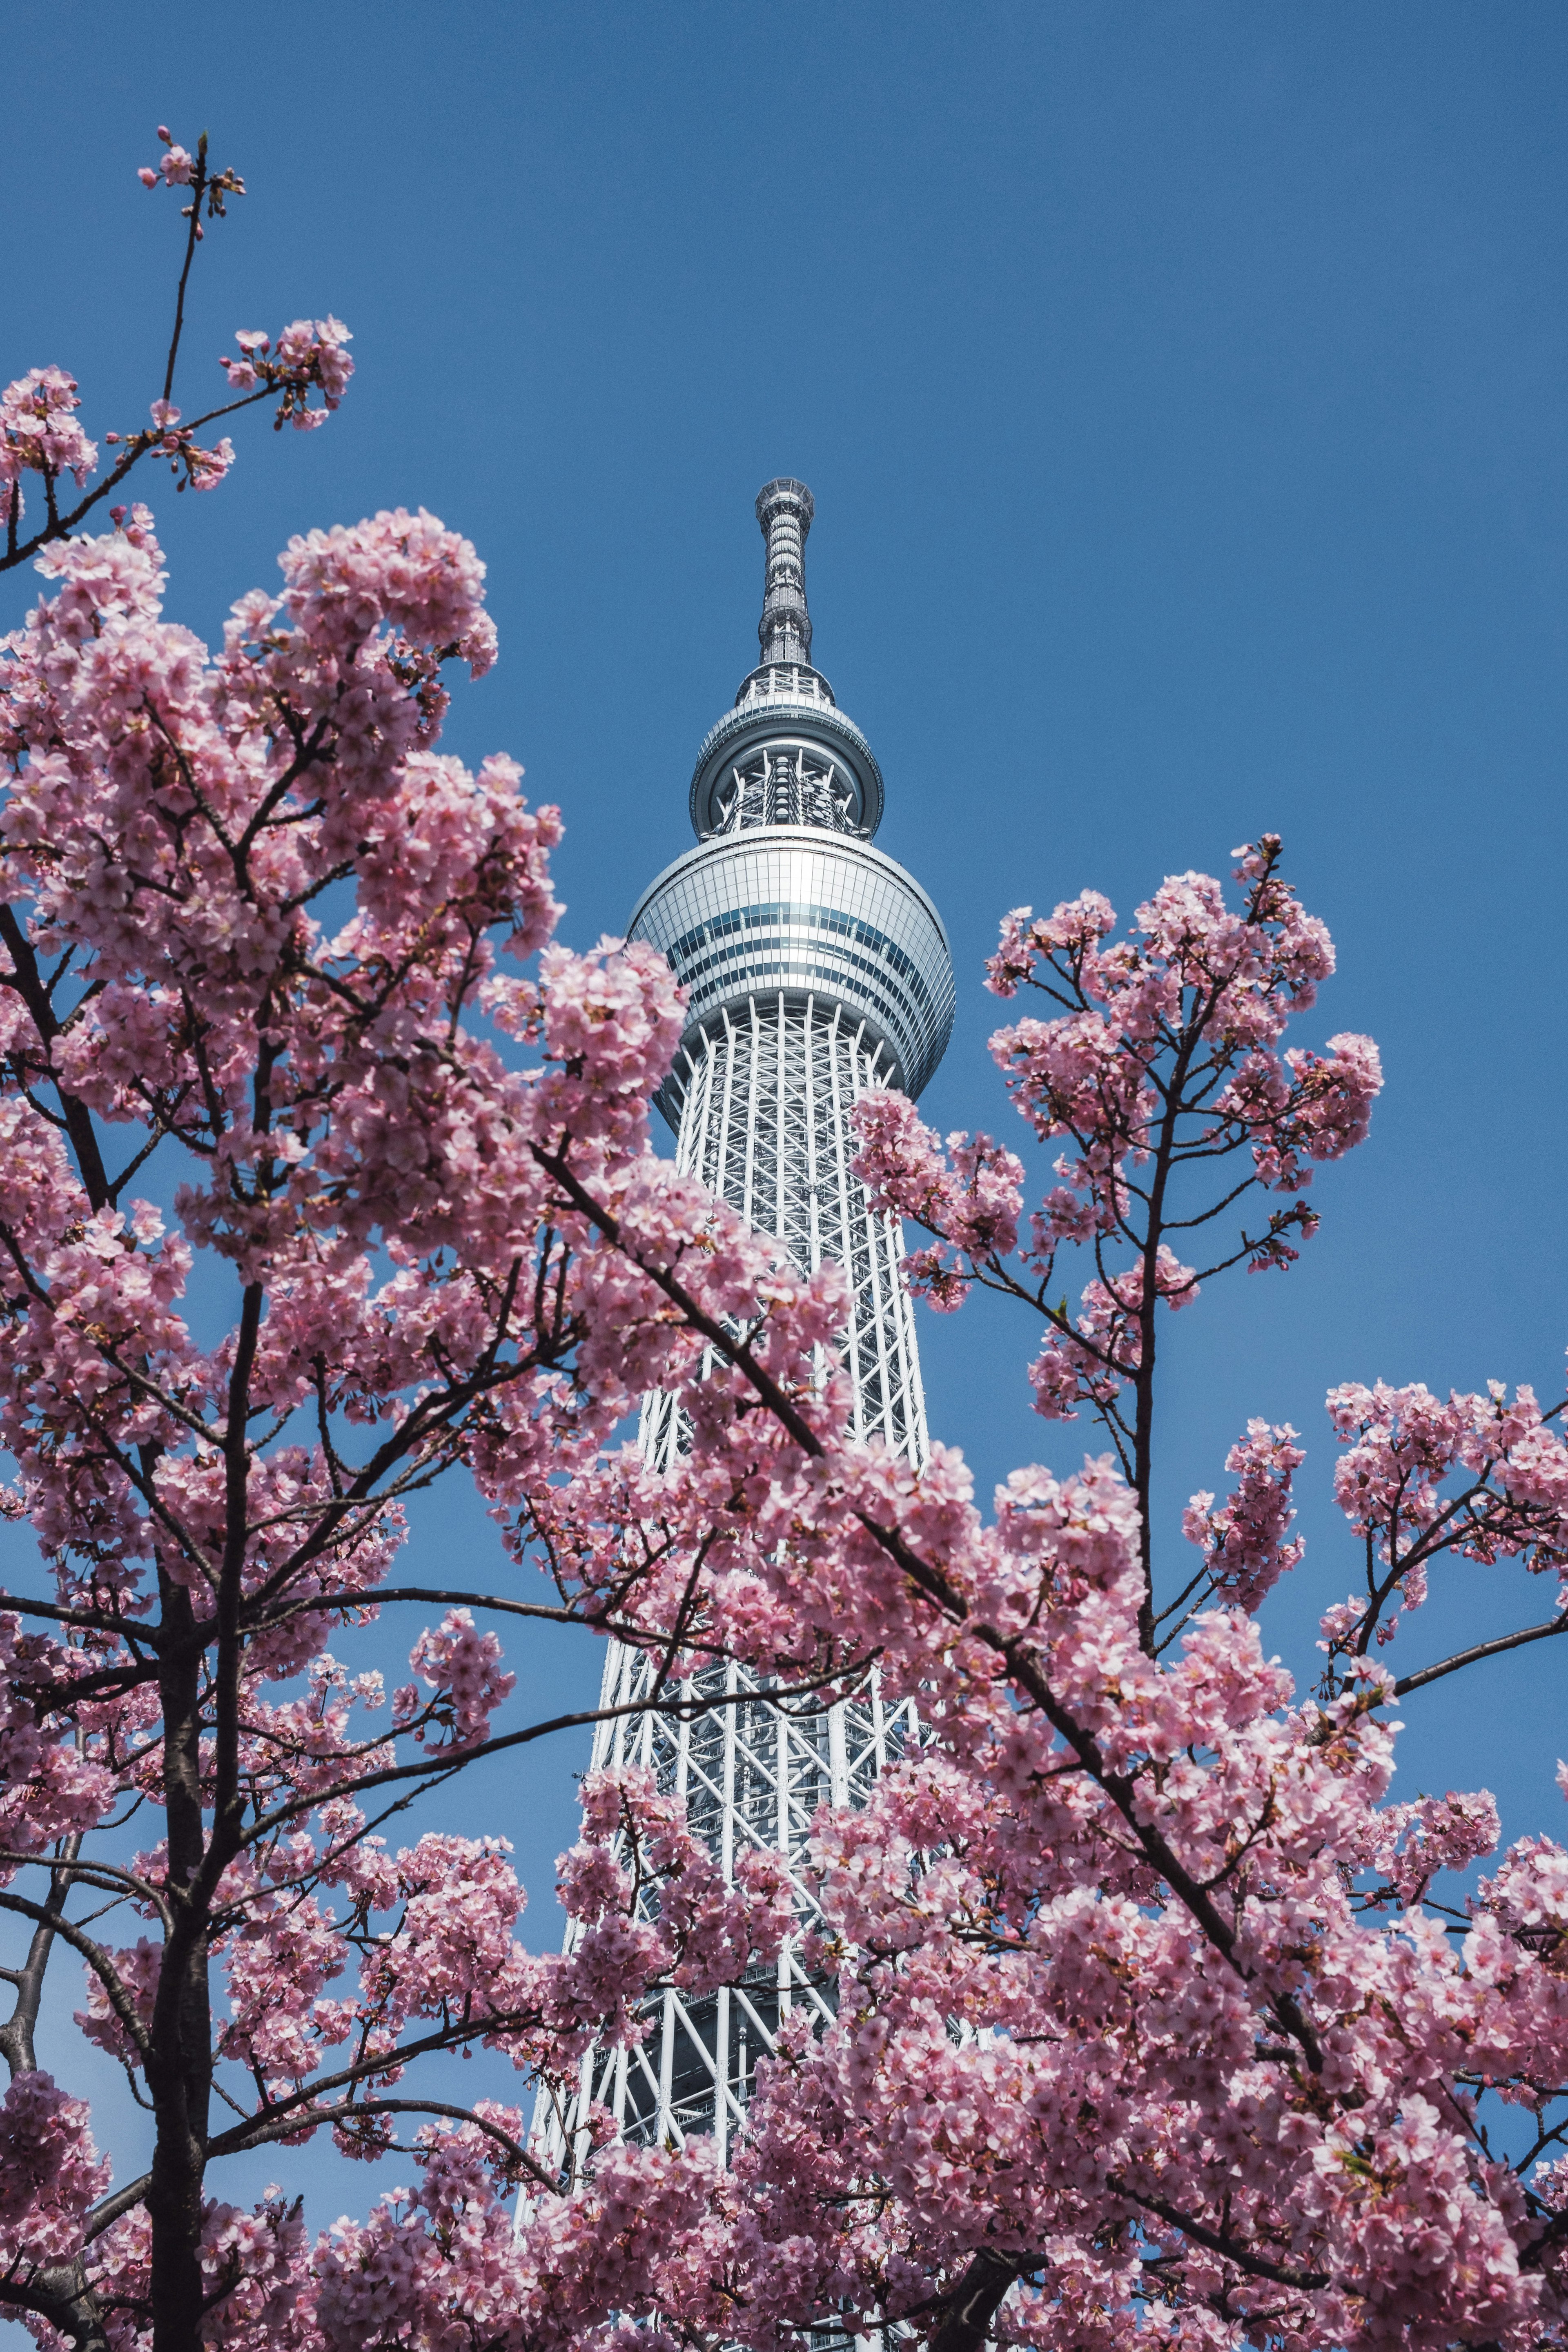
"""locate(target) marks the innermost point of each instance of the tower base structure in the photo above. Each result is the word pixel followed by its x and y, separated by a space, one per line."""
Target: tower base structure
pixel 752 1773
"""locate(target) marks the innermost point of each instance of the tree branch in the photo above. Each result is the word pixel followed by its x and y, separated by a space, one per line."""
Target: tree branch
pixel 1426 1674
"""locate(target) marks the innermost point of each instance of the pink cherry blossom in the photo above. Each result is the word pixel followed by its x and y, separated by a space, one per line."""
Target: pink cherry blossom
pixel 1242 1542
pixel 304 375
pixel 1153 2009
pixel 39 435
pixel 1158 1059
pixel 459 1664
pixel 51 2173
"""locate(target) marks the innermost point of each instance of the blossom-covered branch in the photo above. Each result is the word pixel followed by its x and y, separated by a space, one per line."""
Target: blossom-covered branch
pixel 1481 1478
pixel 1163 1065
pixel 39 434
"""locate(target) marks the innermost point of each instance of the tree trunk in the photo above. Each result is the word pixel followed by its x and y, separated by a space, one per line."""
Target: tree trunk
pixel 973 2303
pixel 179 2064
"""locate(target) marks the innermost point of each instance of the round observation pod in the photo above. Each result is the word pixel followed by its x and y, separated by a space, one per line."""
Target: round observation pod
pixel 785 755
pixel 796 911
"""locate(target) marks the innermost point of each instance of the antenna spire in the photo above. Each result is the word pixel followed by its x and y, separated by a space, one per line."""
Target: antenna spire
pixel 784 509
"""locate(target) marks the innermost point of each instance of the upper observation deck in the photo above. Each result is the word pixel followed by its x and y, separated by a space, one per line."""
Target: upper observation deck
pixel 784 894
pixel 796 910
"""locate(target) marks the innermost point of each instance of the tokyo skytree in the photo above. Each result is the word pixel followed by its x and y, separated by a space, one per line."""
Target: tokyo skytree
pixel 815 967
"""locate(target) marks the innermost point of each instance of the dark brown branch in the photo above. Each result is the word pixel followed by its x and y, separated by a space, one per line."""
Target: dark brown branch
pixel 1504 1642
pixel 1229 2249
pixel 439 1768
pixel 95 1955
pixel 16 2033
pixel 968 2313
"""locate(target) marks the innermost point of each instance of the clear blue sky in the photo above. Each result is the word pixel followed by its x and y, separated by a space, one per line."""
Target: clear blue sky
pixel 1182 389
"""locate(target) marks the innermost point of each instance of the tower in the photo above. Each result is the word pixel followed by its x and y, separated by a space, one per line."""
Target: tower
pixel 815 967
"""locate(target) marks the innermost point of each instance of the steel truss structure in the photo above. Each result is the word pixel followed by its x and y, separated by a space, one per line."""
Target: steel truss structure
pixel 815 967
pixel 764 1125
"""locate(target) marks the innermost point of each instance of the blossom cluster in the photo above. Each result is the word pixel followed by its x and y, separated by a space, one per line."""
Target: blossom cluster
pixel 1164 1058
pixel 1243 1541
pixel 1479 1477
pixel 308 355
pixel 39 435
pixel 176 165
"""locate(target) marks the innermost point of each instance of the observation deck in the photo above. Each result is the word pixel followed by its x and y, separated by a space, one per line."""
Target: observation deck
pixel 784 900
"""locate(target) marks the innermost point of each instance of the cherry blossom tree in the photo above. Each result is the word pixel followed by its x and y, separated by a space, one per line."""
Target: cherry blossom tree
pixel 1154 2023
pixel 267 947
pixel 1153 2026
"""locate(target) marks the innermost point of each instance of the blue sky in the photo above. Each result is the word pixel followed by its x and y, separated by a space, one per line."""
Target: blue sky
pixel 1182 390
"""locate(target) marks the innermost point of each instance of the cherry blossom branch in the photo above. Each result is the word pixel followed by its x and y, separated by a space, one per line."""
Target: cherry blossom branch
pixel 26 978
pixel 104 1877
pixel 1494 1649
pixel 198 187
pixel 59 2295
pixel 97 1959
pixel 126 2200
pixel 516 2155
pixel 39 433
pixel 428 1422
pixel 435 1596
pixel 1232 2251
pixel 16 2033
pixel 435 1771
pixel 1122 1789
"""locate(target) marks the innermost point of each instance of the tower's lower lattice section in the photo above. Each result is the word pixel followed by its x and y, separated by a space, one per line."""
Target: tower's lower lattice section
pixel 752 1773
pixel 764 1100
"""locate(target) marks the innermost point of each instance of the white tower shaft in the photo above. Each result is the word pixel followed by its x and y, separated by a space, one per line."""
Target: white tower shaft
pixel 815 967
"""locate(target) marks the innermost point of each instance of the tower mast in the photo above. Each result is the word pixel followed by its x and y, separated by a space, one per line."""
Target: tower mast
pixel 815 967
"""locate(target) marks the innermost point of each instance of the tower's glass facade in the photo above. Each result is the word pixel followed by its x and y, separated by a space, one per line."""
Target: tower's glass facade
pixel 815 967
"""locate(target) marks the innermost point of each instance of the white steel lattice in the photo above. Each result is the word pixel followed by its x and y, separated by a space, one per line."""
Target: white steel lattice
pixel 814 967
pixel 765 1123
